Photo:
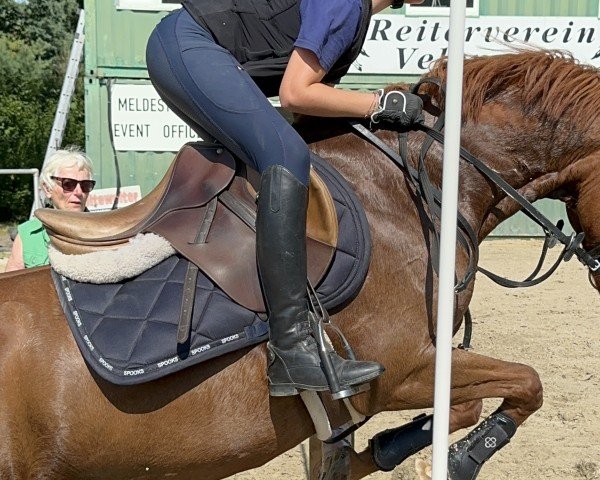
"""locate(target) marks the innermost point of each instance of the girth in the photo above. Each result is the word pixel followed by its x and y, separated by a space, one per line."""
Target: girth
pixel 206 210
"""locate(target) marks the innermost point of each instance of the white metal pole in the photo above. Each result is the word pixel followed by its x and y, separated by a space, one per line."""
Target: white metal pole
pixel 445 314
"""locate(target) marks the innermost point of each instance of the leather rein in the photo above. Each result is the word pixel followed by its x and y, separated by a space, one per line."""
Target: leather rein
pixel 467 237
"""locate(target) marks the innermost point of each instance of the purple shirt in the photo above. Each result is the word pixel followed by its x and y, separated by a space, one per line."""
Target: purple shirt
pixel 328 28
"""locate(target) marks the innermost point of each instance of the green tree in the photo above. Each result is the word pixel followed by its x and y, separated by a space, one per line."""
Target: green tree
pixel 12 18
pixel 35 40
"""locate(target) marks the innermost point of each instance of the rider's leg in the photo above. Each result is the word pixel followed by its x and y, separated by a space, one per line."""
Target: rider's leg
pixel 223 100
pixel 294 361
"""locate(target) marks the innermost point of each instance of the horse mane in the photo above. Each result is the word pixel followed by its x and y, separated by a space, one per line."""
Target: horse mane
pixel 549 81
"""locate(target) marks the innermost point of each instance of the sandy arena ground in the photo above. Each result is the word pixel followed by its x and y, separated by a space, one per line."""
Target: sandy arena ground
pixel 552 327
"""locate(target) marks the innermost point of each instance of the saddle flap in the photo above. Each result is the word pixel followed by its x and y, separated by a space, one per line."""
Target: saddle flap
pixel 228 254
pixel 198 173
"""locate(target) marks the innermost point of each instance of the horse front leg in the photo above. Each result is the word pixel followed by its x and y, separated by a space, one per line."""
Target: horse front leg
pixel 477 376
pixel 474 377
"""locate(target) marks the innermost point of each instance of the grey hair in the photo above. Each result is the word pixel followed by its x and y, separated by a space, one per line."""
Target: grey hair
pixel 69 157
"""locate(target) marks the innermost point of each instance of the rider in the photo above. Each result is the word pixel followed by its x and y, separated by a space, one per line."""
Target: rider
pixel 214 62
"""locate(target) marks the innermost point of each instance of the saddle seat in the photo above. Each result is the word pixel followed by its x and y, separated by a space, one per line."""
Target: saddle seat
pixel 207 212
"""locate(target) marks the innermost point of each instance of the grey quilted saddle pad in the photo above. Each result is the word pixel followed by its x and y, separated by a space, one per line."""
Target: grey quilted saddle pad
pixel 127 331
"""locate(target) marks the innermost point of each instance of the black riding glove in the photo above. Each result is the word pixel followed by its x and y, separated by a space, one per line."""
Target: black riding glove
pixel 398 111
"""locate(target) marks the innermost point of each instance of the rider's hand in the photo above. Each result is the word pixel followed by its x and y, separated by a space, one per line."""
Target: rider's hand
pixel 398 111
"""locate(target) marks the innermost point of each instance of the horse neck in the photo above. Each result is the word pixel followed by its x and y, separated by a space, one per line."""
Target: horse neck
pixel 530 145
pixel 521 149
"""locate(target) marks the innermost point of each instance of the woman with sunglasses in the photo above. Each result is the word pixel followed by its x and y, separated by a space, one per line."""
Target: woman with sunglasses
pixel 66 182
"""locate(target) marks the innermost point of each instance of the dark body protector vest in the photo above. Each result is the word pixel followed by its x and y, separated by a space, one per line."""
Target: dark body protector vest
pixel 261 34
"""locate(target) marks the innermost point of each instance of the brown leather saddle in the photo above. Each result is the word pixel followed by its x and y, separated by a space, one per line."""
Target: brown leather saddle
pixel 207 211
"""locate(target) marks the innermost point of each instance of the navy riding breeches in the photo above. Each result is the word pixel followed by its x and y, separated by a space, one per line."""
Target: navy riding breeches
pixel 207 88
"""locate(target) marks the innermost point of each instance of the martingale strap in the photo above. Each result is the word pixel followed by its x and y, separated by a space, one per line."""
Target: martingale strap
pixel 467 237
pixel 420 182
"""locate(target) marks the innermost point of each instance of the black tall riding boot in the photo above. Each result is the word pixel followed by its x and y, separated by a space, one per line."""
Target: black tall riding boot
pixel 294 362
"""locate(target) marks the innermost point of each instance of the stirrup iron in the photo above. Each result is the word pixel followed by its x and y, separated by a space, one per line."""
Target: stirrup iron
pixel 317 316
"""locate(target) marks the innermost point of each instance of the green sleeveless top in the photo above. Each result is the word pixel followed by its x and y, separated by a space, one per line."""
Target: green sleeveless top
pixel 35 242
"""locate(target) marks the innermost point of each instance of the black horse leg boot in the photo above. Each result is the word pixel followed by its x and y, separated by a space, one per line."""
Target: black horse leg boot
pixel 294 362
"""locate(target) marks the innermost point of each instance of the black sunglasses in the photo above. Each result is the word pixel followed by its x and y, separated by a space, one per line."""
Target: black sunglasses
pixel 70 184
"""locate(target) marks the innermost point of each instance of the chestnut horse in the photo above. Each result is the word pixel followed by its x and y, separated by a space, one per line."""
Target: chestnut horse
pixel 531 116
